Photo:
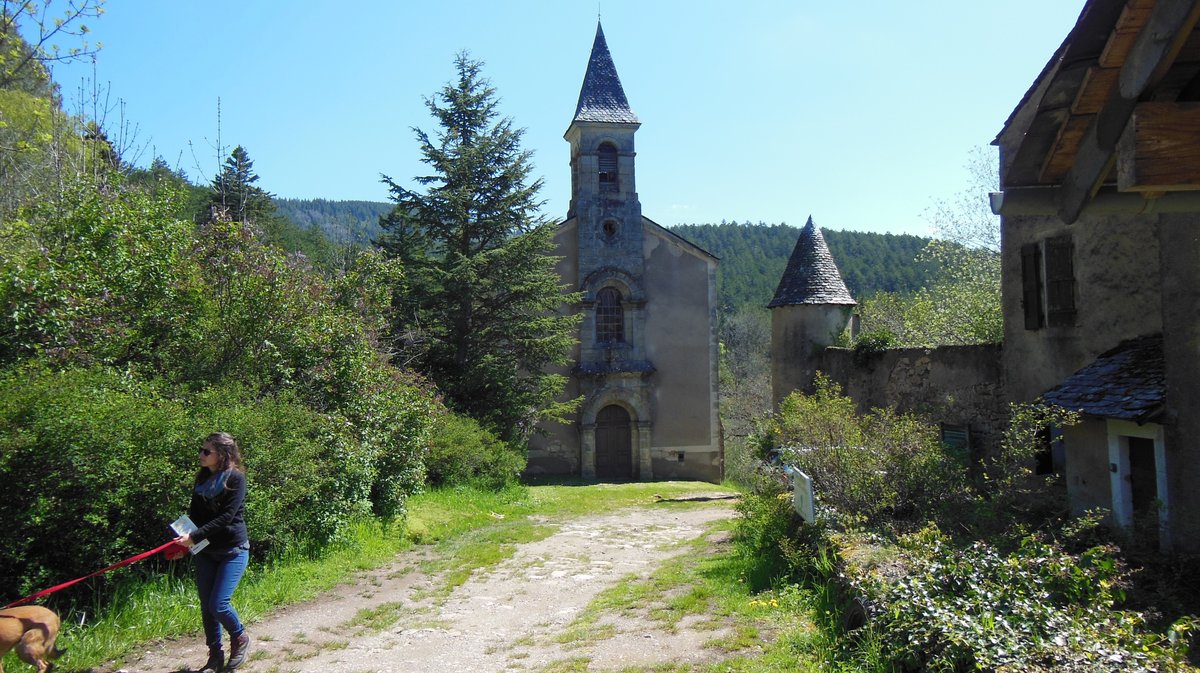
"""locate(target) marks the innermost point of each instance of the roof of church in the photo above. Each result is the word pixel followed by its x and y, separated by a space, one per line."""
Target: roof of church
pixel 1127 382
pixel 601 98
pixel 811 276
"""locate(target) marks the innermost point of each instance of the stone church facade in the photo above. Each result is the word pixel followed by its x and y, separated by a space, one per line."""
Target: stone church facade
pixel 645 366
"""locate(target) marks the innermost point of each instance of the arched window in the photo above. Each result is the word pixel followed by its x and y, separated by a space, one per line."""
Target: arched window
pixel 610 317
pixel 607 155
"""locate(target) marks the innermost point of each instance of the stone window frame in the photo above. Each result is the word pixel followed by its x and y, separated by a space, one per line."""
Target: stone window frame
pixel 610 229
pixel 610 315
pixel 633 301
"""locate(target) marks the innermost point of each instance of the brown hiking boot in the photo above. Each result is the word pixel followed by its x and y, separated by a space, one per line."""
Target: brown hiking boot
pixel 237 651
pixel 216 660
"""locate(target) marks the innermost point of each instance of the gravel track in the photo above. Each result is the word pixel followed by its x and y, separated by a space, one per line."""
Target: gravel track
pixel 515 616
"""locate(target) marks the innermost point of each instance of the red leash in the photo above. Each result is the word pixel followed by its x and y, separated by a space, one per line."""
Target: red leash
pixel 64 585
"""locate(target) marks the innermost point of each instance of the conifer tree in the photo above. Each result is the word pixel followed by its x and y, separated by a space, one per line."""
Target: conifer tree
pixel 234 194
pixel 478 311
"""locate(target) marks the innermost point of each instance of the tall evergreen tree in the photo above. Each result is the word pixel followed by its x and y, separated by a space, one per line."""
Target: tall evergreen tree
pixel 478 312
pixel 479 308
pixel 234 196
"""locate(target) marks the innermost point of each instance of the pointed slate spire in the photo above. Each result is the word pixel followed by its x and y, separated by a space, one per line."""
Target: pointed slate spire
pixel 811 276
pixel 601 98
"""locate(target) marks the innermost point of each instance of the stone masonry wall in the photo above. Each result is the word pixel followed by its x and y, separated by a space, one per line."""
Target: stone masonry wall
pixel 957 385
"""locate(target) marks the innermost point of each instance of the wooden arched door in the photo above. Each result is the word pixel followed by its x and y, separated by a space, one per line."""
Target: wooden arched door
pixel 614 444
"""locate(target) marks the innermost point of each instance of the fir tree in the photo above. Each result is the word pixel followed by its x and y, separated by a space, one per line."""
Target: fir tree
pixel 478 312
pixel 233 194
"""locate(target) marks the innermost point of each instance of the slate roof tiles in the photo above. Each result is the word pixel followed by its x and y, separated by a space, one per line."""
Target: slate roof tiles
pixel 811 276
pixel 601 98
pixel 1127 383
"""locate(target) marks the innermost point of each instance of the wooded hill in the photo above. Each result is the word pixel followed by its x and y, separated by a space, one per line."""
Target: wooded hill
pixel 753 257
pixel 341 221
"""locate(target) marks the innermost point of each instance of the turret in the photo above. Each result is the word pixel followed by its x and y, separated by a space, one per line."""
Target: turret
pixel 811 308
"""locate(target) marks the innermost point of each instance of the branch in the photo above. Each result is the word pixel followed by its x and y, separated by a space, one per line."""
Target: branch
pixel 37 51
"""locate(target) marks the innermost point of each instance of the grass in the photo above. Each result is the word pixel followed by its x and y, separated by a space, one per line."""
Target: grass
pixel 572 665
pixel 373 620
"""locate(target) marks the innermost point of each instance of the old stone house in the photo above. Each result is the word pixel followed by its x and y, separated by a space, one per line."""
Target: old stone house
pixel 646 363
pixel 1100 273
pixel 1100 213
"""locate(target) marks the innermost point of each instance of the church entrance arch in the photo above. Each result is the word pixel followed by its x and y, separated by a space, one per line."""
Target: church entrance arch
pixel 614 444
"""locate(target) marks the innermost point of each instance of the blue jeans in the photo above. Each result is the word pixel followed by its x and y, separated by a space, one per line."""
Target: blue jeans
pixel 217 575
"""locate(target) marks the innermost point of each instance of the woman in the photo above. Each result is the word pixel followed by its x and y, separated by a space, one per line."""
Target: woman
pixel 219 512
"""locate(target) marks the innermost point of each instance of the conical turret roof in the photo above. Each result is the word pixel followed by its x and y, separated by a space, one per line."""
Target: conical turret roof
pixel 601 98
pixel 811 276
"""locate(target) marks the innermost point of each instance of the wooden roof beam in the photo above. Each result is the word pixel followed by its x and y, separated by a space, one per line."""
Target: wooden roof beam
pixel 1162 37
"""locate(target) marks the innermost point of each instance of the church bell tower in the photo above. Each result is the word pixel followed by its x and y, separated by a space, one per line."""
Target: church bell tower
pixel 613 369
pixel 644 366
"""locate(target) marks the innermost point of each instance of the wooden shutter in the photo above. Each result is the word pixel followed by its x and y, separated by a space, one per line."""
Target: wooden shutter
pixel 1060 282
pixel 1031 285
pixel 607 157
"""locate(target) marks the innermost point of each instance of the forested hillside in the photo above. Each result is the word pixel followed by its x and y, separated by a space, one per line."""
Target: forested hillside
pixel 341 221
pixel 753 257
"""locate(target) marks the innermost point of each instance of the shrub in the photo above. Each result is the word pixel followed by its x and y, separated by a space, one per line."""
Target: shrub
pixel 878 468
pixel 463 453
pixel 112 278
pixel 394 417
pixel 97 463
pixel 309 474
pixel 936 604
pixel 98 277
pixel 1036 608
pixel 767 525
pixel 870 344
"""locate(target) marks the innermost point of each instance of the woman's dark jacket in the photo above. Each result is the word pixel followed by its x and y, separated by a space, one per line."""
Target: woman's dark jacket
pixel 219 511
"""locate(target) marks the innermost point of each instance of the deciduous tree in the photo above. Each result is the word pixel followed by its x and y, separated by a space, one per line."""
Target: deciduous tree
pixel 23 62
pixel 962 304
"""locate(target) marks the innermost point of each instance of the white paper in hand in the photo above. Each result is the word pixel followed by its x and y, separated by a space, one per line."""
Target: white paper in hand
pixel 182 526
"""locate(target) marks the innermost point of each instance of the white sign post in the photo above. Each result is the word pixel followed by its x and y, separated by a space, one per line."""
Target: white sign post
pixel 802 496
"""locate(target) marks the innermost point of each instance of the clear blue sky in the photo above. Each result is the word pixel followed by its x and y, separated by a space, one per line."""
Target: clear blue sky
pixel 858 113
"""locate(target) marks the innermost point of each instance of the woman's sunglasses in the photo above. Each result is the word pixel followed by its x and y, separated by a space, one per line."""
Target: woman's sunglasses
pixel 206 452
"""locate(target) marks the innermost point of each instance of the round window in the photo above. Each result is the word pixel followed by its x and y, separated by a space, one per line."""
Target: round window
pixel 610 229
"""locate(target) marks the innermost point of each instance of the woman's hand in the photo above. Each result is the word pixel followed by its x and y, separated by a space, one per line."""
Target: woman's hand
pixel 185 540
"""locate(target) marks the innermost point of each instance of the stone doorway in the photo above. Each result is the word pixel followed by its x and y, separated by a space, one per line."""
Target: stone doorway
pixel 614 444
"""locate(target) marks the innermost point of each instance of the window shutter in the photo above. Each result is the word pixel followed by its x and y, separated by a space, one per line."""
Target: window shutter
pixel 1060 282
pixel 1031 285
pixel 607 157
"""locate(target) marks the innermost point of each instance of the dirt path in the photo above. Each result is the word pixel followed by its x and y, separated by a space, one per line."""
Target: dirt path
pixel 515 616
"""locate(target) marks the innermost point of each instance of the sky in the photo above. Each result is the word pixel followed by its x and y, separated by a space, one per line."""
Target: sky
pixel 859 114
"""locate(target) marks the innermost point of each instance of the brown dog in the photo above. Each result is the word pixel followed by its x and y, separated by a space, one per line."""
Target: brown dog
pixel 32 630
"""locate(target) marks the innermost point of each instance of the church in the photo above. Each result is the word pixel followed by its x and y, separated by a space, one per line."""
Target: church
pixel 645 365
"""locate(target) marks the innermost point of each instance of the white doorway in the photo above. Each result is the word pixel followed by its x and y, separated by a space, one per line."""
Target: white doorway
pixel 1138 470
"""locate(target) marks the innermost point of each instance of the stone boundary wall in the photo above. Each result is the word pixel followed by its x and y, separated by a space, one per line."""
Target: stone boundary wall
pixel 957 385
